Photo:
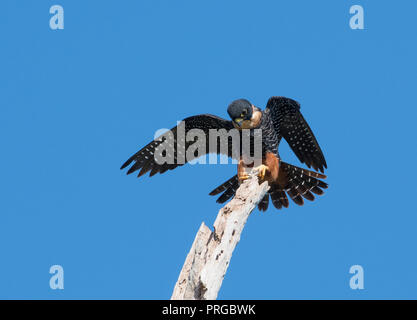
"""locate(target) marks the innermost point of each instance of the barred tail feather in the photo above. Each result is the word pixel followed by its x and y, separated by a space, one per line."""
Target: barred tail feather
pixel 302 183
pixel 229 187
pixel 224 186
pixel 278 196
pixel 297 183
pixel 263 205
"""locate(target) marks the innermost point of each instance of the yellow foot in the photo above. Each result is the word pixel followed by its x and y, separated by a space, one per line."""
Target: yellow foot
pixel 262 169
pixel 243 177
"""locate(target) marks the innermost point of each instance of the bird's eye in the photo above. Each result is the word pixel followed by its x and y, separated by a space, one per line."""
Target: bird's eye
pixel 244 112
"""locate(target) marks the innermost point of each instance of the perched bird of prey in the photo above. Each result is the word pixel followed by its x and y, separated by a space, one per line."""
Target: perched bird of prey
pixel 280 119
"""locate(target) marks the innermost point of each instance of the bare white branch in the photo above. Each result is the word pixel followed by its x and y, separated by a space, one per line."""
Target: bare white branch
pixel 206 264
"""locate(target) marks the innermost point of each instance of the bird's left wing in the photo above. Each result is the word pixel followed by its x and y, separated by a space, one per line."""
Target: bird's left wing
pixel 144 160
pixel 289 122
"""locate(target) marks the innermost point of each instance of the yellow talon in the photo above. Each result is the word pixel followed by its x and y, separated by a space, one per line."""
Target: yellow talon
pixel 243 177
pixel 262 171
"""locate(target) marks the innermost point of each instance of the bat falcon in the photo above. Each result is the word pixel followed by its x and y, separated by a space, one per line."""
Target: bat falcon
pixel 280 119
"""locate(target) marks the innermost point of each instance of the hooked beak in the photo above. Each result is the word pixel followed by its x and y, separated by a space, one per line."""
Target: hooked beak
pixel 238 121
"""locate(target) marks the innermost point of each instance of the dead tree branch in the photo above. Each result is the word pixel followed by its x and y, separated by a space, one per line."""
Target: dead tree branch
pixel 206 264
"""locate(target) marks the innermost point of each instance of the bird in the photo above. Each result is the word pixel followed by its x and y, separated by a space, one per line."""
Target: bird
pixel 281 118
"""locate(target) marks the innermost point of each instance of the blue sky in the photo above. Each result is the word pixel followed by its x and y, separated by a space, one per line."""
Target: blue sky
pixel 76 103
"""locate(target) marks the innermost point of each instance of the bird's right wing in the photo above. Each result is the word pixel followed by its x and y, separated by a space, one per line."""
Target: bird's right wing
pixel 144 160
pixel 290 123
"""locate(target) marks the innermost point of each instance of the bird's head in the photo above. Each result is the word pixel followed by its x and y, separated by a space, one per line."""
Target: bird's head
pixel 240 111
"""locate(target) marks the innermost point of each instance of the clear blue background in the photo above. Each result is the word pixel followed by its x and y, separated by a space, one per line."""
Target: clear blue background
pixel 76 103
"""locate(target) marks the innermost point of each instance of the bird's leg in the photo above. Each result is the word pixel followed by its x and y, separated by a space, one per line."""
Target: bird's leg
pixel 262 170
pixel 241 171
pixel 269 168
pixel 243 176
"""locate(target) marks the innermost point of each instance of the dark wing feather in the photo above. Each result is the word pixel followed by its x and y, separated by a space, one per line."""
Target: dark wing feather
pixel 144 160
pixel 290 124
pixel 229 187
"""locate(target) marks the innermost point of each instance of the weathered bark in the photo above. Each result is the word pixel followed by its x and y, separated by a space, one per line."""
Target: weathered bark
pixel 206 264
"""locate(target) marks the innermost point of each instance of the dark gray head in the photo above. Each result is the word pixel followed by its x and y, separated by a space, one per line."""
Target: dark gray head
pixel 240 110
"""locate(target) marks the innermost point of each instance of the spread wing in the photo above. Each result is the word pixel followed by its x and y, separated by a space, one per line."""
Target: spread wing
pixel 145 160
pixel 290 124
